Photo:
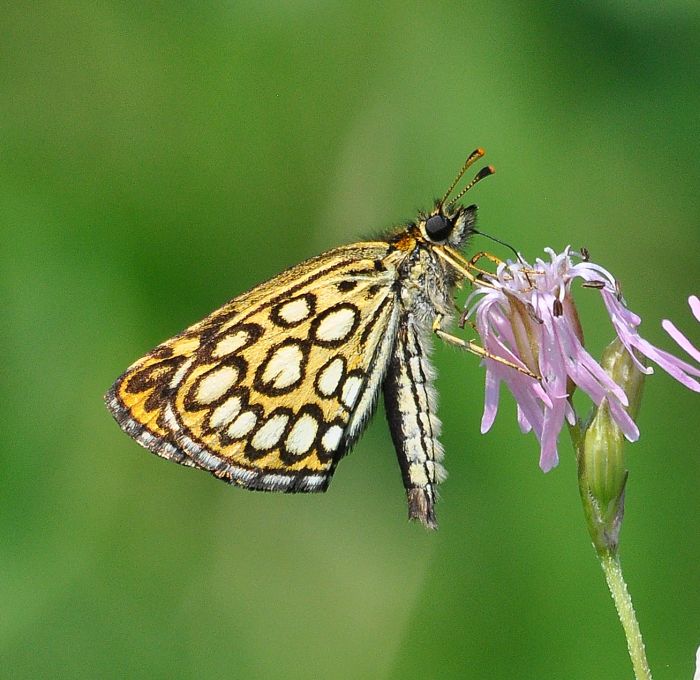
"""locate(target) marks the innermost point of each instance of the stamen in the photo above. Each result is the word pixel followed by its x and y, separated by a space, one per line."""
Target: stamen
pixel 557 307
pixel 598 285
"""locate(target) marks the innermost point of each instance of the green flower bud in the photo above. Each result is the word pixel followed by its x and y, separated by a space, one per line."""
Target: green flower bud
pixel 601 465
pixel 602 476
pixel 619 365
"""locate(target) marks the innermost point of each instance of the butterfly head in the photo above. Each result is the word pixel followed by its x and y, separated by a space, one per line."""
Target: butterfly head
pixel 451 224
pixel 449 227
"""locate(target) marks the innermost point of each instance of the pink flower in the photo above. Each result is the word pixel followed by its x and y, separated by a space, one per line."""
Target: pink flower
pixel 526 315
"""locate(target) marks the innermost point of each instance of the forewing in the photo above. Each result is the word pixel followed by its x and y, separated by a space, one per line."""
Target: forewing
pixel 270 391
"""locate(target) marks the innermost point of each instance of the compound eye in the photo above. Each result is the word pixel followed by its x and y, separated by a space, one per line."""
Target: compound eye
pixel 438 227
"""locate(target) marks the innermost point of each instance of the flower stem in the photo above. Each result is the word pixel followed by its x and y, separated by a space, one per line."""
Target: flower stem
pixel 603 530
pixel 625 611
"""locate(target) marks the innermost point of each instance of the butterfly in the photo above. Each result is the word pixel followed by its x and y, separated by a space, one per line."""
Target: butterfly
pixel 271 390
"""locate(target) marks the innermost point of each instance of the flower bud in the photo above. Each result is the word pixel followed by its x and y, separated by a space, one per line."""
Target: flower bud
pixel 602 473
pixel 621 367
pixel 602 476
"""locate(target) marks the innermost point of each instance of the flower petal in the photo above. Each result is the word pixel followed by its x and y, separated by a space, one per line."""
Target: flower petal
pixel 694 303
pixel 491 396
pixel 680 339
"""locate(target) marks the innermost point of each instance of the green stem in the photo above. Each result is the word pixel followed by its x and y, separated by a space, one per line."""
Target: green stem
pixel 625 612
pixel 606 549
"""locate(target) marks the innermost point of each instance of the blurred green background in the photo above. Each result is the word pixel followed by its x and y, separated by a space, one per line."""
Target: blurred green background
pixel 157 159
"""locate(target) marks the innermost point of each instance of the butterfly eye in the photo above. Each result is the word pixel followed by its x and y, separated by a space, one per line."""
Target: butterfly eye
pixel 438 227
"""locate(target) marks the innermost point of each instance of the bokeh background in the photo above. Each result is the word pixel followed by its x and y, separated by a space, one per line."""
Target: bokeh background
pixel 157 159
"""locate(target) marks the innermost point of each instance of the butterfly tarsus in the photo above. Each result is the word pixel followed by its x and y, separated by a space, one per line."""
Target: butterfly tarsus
pixel 471 346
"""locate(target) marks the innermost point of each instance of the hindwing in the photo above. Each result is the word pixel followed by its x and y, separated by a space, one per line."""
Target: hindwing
pixel 271 390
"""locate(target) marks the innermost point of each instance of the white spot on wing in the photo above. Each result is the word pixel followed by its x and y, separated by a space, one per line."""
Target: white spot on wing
pixel 170 418
pixel 242 425
pixel 216 383
pixel 294 311
pixel 302 435
pixel 225 412
pixel 351 389
pixel 336 325
pixel 330 377
pixel 269 434
pixel 230 343
pixel 181 372
pixel 332 437
pixel 283 368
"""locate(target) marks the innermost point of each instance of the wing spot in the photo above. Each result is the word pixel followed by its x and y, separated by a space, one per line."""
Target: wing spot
pixel 336 325
pixel 216 383
pixel 181 372
pixel 330 376
pixel 295 311
pixel 225 413
pixel 230 343
pixel 283 367
pixel 269 434
pixel 169 419
pixel 351 390
pixel 240 427
pixel 331 439
pixel 292 312
pixel 302 435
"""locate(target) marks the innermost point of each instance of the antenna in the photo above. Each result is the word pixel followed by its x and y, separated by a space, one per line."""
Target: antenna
pixel 484 172
pixel 471 159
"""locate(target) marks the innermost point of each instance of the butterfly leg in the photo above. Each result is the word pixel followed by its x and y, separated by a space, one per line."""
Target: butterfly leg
pixel 471 346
